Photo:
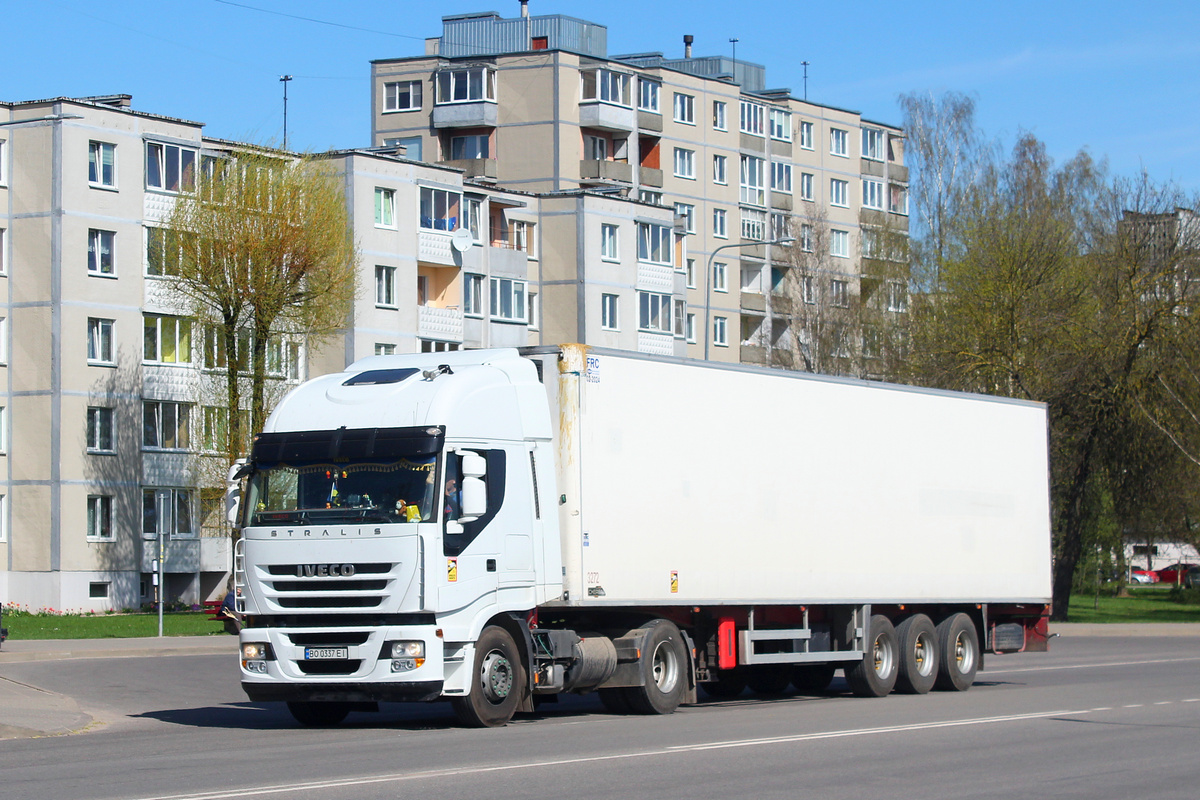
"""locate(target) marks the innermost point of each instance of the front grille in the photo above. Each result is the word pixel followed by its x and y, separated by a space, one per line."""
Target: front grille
pixel 301 587
pixel 333 667
pixel 329 602
pixel 347 638
pixel 297 570
pixel 340 585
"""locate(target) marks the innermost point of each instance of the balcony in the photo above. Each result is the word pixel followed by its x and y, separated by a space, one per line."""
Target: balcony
pixel 649 176
pixel 442 324
pixel 875 169
pixel 484 168
pixel 753 301
pixel 507 261
pixel 216 553
pixel 606 116
pixel 620 171
pixel 179 555
pixel 781 201
pixel 753 354
pixel 649 121
pixel 465 115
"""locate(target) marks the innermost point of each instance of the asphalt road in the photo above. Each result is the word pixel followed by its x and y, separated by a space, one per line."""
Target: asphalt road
pixel 1095 718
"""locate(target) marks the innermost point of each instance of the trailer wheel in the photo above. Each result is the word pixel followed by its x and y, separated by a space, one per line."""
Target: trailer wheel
pixel 812 678
pixel 499 680
pixel 770 681
pixel 958 646
pixel 318 715
pixel 729 683
pixel 875 675
pixel 664 670
pixel 918 655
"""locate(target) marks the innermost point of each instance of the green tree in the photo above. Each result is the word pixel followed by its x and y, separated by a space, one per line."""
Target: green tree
pixel 265 251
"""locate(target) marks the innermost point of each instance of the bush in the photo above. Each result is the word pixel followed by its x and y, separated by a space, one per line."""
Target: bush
pixel 1187 597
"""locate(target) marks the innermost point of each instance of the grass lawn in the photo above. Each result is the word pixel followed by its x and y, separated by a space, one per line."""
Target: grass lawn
pixel 107 626
pixel 1144 604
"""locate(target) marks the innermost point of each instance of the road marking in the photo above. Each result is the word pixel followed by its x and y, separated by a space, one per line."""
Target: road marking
pixel 1133 705
pixel 279 789
pixel 988 672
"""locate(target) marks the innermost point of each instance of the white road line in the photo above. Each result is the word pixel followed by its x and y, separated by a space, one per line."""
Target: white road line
pixel 989 671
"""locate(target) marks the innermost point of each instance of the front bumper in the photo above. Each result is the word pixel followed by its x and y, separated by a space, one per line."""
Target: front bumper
pixel 421 691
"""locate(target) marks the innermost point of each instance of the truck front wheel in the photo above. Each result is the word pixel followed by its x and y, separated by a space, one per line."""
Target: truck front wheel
pixel 875 675
pixel 664 670
pixel 958 646
pixel 497 682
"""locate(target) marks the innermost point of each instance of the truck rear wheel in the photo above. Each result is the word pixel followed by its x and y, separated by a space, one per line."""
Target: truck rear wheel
pixel 875 675
pixel 771 681
pixel 615 699
pixel 497 682
pixel 664 670
pixel 918 655
pixel 318 715
pixel 812 678
pixel 958 646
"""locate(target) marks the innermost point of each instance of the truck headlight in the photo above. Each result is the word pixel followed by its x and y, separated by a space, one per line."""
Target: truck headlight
pixel 254 650
pixel 408 650
pixel 405 656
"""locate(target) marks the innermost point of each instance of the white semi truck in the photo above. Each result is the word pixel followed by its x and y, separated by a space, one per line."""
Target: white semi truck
pixel 497 526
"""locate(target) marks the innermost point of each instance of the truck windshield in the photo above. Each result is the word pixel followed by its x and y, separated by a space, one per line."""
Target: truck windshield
pixel 327 493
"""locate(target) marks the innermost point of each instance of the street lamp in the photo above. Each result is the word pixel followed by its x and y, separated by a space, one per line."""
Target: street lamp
pixel 708 281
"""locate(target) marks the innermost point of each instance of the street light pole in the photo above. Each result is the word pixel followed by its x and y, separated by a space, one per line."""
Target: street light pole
pixel 708 282
pixel 284 79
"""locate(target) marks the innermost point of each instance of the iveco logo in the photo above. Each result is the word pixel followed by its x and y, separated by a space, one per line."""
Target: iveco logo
pixel 324 570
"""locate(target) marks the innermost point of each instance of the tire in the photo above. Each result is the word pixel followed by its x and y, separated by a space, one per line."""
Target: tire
pixel 729 684
pixel 318 715
pixel 918 641
pixel 875 675
pixel 770 681
pixel 664 670
pixel 958 651
pixel 812 678
pixel 615 700
pixel 497 684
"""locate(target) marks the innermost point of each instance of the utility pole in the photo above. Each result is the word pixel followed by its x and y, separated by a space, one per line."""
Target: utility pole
pixel 734 42
pixel 805 64
pixel 284 79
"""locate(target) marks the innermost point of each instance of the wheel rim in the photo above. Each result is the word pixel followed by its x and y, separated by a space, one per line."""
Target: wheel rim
pixel 885 659
pixel 964 653
pixel 923 655
pixel 665 667
pixel 496 675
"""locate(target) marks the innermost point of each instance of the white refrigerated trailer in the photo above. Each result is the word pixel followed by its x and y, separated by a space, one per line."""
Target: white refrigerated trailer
pixel 491 526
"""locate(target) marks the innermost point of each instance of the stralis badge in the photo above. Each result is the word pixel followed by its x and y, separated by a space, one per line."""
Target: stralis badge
pixel 674 582
pixel 452 569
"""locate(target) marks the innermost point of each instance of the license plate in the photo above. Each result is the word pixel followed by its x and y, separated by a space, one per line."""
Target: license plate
pixel 318 653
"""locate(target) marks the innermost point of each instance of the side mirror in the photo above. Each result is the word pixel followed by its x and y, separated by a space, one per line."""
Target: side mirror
pixel 233 490
pixel 474 498
pixel 473 466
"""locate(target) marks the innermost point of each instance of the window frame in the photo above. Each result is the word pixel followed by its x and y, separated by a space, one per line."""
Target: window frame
pixel 99 518
pixel 752 118
pixel 873 194
pixel 685 163
pixel 874 144
pixel 603 83
pixel 97 166
pixel 806 136
pixel 720 276
pixel 385 286
pixel 720 169
pixel 165 165
pixel 486 86
pixel 688 212
pixel 431 199
pixel 720 115
pixel 781 177
pixel 654 312
pixel 182 339
pixel 473 295
pixel 654 90
pixel 385 208
pixel 516 295
pixel 720 332
pixel 101 349
pixel 392 94
pixel 655 239
pixel 839 193
pixel 752 180
pixel 779 124
pixel 96 259
pixel 807 184
pixel 178 425
pixel 610 312
pixel 839 243
pixel 100 431
pixel 610 242
pixel 684 106
pixel 839 144
pixel 720 223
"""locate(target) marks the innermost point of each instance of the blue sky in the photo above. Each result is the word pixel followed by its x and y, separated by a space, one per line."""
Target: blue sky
pixel 1118 79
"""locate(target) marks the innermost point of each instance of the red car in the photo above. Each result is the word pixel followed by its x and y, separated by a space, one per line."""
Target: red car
pixel 1142 575
pixel 1174 573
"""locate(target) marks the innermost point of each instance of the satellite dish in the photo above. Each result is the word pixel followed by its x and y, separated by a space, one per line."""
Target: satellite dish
pixel 462 240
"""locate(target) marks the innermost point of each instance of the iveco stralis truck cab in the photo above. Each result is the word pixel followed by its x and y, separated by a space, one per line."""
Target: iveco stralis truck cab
pixel 391 513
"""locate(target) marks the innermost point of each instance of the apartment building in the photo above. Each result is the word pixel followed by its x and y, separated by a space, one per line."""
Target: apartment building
pixel 111 395
pixel 535 103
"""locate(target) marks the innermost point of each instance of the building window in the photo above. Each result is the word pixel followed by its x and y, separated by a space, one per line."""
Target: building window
pixel 808 289
pixel 167 340
pixel 720 276
pixel 100 252
pixel 719 115
pixel 473 295
pixel 838 193
pixel 806 186
pixel 654 243
pixel 781 177
pixel 720 223
pixel 873 144
pixel 435 346
pixel 473 217
pixel 752 183
pixel 754 224
pixel 781 124
pixel 100 341
pixel 215 423
pixel 687 213
pixel 685 163
pixel 102 164
pixel 163 251
pixel 837 142
pixel 609 319
pixel 467 148
pixel 685 108
pixel 689 330
pixel 648 95
pixel 897 296
pixel 720 332
pixel 806 237
pixel 3 176
pixel 690 273
pixel 752 118
pixel 650 196
pixel 412 146
pixel 806 135
pixel 385 286
pixel 385 349
pixel 3 430
pixel 3 260
pixel 839 244
pixel 520 235
pixel 402 96
pixel 99 518
pixel 466 85
pixel 170 168
pixel 168 509
pixel 719 169
pixel 608 243
pixel 165 425
pixel 606 86
pixel 99 430
pixel 872 194
pixel 385 207
pixel 508 300
pixel 595 148
pixel 654 312
pixel 839 293
pixel 897 200
pixel 439 209
pixel 781 226
pixel 679 317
